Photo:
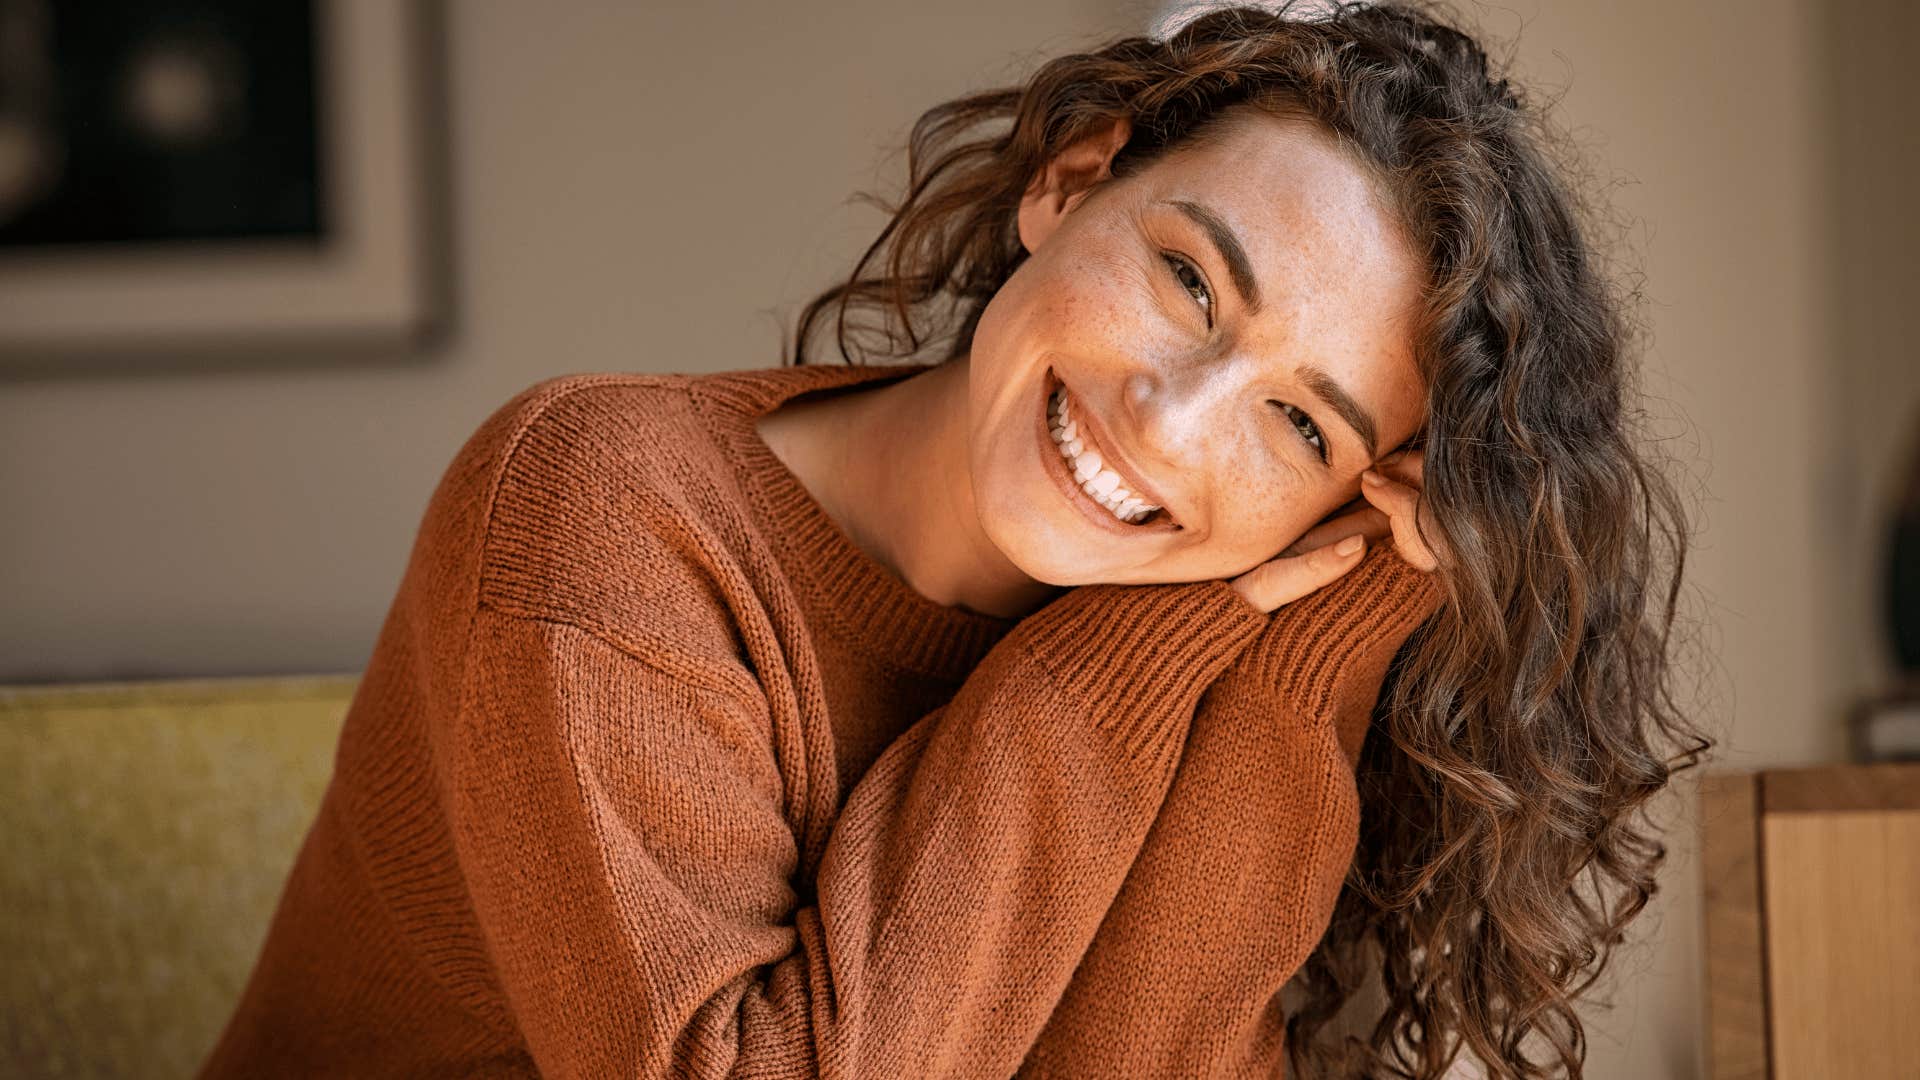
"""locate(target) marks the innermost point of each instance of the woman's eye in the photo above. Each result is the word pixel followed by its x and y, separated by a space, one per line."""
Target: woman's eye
pixel 1193 281
pixel 1308 430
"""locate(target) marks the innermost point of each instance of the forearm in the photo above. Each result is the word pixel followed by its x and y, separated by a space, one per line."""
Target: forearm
pixel 1238 878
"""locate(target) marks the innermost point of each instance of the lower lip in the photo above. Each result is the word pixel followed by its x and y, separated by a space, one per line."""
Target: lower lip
pixel 1056 466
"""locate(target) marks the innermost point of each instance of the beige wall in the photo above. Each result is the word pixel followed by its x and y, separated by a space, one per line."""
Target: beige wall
pixel 1871 146
pixel 625 199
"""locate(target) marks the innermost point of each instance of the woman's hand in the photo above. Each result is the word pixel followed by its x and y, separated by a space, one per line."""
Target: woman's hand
pixel 1396 495
pixel 1381 510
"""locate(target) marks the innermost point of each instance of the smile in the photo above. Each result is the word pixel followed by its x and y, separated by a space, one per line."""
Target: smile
pixel 1093 481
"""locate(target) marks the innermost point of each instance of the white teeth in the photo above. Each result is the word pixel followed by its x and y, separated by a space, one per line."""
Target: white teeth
pixel 1100 483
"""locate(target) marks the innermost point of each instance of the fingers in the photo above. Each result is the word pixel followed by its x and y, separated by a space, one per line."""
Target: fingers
pixel 1384 510
pixel 1401 503
pixel 1403 466
pixel 1369 521
pixel 1279 582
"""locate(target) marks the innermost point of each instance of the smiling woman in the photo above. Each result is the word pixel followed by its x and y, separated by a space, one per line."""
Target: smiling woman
pixel 1306 275
pixel 1039 710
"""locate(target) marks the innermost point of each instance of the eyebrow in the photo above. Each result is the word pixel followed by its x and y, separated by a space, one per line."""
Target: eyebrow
pixel 1335 397
pixel 1240 270
pixel 1227 243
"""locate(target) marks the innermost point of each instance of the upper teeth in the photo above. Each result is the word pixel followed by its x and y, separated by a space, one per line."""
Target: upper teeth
pixel 1099 482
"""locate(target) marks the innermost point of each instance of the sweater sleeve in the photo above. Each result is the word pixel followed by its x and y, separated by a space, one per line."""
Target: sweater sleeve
pixel 639 902
pixel 1237 880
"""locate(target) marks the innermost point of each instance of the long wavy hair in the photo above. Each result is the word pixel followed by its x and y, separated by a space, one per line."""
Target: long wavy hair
pixel 1525 724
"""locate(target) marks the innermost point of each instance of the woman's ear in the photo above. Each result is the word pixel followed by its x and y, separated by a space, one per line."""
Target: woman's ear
pixel 1068 179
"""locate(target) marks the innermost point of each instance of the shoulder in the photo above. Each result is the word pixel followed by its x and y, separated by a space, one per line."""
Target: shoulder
pixel 558 411
pixel 596 500
pixel 500 441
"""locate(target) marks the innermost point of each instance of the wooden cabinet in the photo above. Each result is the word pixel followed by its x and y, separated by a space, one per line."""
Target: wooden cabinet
pixel 1812 911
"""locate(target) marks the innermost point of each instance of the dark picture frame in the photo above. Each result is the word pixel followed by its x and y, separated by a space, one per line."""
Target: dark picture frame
pixel 314 219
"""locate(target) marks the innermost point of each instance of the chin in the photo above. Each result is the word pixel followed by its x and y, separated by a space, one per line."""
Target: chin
pixel 1030 544
pixel 1041 546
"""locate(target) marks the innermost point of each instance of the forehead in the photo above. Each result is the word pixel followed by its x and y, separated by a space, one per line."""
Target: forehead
pixel 1308 213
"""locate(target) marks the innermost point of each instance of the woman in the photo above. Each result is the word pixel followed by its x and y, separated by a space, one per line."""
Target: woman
pixel 1007 714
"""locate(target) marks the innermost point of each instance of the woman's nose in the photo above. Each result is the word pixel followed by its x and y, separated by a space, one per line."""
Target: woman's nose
pixel 1179 407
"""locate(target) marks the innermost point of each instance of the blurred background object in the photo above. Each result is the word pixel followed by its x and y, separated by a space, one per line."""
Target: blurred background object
pixel 655 187
pixel 165 120
pixel 218 177
pixel 1812 891
pixel 1886 725
pixel 148 828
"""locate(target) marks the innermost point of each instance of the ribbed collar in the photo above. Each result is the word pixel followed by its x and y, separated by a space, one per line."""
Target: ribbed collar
pixel 870 604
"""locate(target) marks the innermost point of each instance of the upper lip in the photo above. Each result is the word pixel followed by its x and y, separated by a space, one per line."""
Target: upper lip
pixel 1111 456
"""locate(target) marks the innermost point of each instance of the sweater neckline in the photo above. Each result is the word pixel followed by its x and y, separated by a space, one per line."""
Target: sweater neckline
pixel 871 605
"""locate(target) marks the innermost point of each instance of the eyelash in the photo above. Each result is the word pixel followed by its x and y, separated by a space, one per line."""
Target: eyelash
pixel 1179 263
pixel 1319 447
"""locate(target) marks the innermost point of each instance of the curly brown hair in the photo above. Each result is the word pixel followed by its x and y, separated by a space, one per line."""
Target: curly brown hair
pixel 1531 717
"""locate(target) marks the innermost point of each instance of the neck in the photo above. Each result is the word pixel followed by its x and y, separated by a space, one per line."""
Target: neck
pixel 900 454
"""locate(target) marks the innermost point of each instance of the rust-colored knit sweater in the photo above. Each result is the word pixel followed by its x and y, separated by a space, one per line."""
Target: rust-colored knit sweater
pixel 653 772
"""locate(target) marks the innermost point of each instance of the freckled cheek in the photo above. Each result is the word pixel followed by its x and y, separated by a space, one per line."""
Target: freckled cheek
pixel 1258 511
pixel 1094 313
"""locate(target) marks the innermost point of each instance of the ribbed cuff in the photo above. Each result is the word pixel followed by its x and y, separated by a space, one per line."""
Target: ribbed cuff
pixel 1311 642
pixel 1139 656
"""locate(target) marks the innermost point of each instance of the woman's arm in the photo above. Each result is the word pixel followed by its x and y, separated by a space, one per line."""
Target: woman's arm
pixel 626 836
pixel 1237 879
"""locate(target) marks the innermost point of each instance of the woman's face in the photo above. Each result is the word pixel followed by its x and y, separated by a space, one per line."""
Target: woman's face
pixel 1206 316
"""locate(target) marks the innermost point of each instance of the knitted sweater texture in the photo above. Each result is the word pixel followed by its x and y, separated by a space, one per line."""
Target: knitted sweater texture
pixel 654 773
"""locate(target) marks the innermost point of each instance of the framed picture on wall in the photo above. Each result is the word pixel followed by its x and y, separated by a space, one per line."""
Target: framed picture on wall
pixel 185 175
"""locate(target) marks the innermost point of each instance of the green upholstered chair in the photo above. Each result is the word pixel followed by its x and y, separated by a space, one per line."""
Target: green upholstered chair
pixel 145 832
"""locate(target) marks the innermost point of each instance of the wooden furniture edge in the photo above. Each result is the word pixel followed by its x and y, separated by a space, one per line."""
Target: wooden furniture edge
pixel 1890 785
pixel 1738 1031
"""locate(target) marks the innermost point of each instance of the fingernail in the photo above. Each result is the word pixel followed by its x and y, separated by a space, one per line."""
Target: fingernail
pixel 1350 545
pixel 1372 477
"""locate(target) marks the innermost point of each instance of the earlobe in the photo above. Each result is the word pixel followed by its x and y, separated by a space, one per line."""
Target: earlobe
pixel 1067 180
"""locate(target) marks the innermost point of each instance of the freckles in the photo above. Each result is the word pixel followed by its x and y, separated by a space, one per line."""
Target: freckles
pixel 1052 302
pixel 1086 304
pixel 1240 481
pixel 1122 294
pixel 1239 488
pixel 1268 499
